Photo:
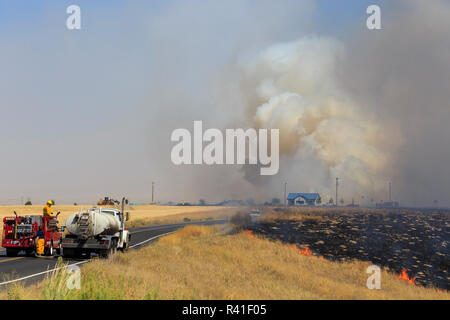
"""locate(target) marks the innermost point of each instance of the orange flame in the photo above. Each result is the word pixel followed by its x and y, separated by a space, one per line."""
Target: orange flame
pixel 304 252
pixel 250 233
pixel 404 276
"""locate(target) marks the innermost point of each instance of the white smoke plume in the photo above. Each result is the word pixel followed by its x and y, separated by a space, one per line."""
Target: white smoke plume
pixel 293 86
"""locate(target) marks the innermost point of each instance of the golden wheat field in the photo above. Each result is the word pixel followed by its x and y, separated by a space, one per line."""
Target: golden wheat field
pixel 201 262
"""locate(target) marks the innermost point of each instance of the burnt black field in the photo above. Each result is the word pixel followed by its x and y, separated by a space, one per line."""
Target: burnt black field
pixel 412 240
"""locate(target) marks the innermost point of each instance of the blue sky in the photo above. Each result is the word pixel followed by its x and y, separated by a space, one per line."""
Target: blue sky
pixel 20 15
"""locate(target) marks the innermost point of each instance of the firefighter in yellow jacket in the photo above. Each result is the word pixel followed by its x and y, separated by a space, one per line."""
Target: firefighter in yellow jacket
pixel 47 211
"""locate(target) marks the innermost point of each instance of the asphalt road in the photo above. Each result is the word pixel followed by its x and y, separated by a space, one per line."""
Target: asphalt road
pixel 30 270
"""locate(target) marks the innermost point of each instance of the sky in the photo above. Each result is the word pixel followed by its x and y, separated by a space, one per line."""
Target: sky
pixel 89 113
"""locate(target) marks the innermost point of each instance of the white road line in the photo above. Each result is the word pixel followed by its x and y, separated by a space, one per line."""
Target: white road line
pixel 155 237
pixel 78 263
pixel 40 273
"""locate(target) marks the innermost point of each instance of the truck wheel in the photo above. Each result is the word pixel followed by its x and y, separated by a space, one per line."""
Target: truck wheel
pixel 127 244
pixel 104 253
pixel 113 248
pixel 11 252
pixel 110 251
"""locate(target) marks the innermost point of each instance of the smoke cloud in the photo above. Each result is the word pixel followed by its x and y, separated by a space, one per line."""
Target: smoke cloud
pixel 293 86
pixel 370 109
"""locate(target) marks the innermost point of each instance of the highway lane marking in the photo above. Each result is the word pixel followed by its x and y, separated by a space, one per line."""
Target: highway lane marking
pixel 152 238
pixel 41 273
pixel 78 263
pixel 6 260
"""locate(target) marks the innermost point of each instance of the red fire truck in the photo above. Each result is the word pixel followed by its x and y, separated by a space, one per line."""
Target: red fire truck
pixel 21 233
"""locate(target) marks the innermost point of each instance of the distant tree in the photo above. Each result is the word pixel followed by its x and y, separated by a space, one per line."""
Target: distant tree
pixel 276 201
pixel 331 201
pixel 28 203
pixel 202 202
pixel 53 201
pixel 319 200
pixel 250 202
pixel 75 204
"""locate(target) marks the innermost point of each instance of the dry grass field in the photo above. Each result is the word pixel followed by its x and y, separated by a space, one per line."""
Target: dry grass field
pixel 200 262
pixel 302 213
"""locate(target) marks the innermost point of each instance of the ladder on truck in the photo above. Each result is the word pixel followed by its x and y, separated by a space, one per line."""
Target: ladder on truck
pixel 84 224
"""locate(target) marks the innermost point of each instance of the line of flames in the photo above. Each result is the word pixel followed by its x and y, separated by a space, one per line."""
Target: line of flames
pixel 304 251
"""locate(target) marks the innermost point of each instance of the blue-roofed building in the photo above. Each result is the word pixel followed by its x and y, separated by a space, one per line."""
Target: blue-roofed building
pixel 304 199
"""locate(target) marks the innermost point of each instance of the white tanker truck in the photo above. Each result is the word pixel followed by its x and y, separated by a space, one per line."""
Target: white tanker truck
pixel 99 230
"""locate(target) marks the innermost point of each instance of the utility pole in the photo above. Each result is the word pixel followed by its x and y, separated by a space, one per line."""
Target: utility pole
pixel 337 185
pixel 153 192
pixel 390 189
pixel 285 184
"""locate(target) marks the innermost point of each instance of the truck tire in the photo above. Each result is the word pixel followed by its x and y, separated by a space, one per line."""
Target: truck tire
pixel 104 253
pixel 110 251
pixel 113 249
pixel 11 252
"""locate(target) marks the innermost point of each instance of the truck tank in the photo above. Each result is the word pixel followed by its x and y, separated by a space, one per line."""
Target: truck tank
pixel 91 223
